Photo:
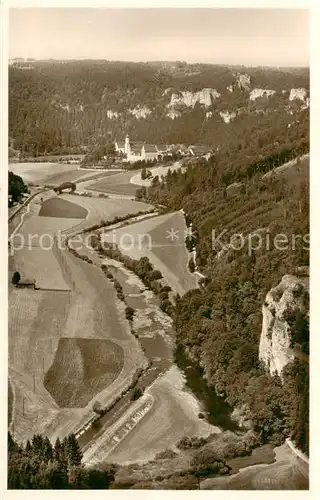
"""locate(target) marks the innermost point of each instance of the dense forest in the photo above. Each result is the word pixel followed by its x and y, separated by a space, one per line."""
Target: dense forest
pixel 40 465
pixel 64 107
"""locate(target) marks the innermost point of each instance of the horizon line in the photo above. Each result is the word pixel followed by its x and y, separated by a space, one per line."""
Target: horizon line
pixel 80 59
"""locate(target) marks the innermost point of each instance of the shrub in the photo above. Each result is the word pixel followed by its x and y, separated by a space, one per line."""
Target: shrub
pixel 129 313
pixel 155 275
pixel 16 277
pixel 137 393
pixel 191 265
pixel 205 456
pixel 97 408
pixel 166 454
pixel 194 442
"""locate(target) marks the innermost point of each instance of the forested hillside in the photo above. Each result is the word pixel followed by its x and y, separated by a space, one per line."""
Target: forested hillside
pixel 65 107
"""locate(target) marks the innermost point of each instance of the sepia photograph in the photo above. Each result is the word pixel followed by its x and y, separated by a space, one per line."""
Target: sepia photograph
pixel 158 249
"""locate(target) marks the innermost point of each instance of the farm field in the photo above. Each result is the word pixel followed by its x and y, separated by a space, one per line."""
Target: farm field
pixel 37 230
pixel 78 175
pixel 42 265
pixel 116 184
pixel 40 172
pixel 57 207
pixel 82 367
pixel 153 238
pixel 37 320
pixel 105 209
pixel 54 173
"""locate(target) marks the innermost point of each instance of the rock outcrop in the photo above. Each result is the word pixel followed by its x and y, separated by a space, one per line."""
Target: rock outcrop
pixel 300 94
pixel 256 93
pixel 243 81
pixel 140 112
pixel 282 302
pixel 227 116
pixel 112 114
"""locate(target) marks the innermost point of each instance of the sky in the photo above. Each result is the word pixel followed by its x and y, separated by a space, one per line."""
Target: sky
pixel 254 37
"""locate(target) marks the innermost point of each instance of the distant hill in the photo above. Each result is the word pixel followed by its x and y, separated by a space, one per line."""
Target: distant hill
pixel 59 107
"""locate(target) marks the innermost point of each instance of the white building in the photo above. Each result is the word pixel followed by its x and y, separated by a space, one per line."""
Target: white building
pixel 136 150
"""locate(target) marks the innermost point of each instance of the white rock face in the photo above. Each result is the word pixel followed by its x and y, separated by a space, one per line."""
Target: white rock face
pixel 64 106
pixel 140 112
pixel 112 114
pixel 293 123
pixel 306 104
pixel 208 114
pixel 230 88
pixel 298 94
pixel 244 81
pixel 227 117
pixel 255 93
pixel 189 99
pixel 282 301
pixel 166 91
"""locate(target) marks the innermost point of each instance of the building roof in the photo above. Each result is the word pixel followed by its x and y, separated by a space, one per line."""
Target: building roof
pixel 198 148
pixel 162 147
pixel 136 146
pixel 120 144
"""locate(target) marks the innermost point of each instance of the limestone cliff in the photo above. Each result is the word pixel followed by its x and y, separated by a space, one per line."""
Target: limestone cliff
pixel 289 297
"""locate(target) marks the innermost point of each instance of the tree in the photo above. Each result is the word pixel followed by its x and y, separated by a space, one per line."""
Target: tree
pixel 110 149
pixel 137 393
pixel 16 187
pixel 144 173
pixel 155 275
pixel 58 450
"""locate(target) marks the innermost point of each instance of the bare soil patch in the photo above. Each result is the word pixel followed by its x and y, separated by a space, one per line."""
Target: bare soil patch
pixel 81 369
pixel 58 207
